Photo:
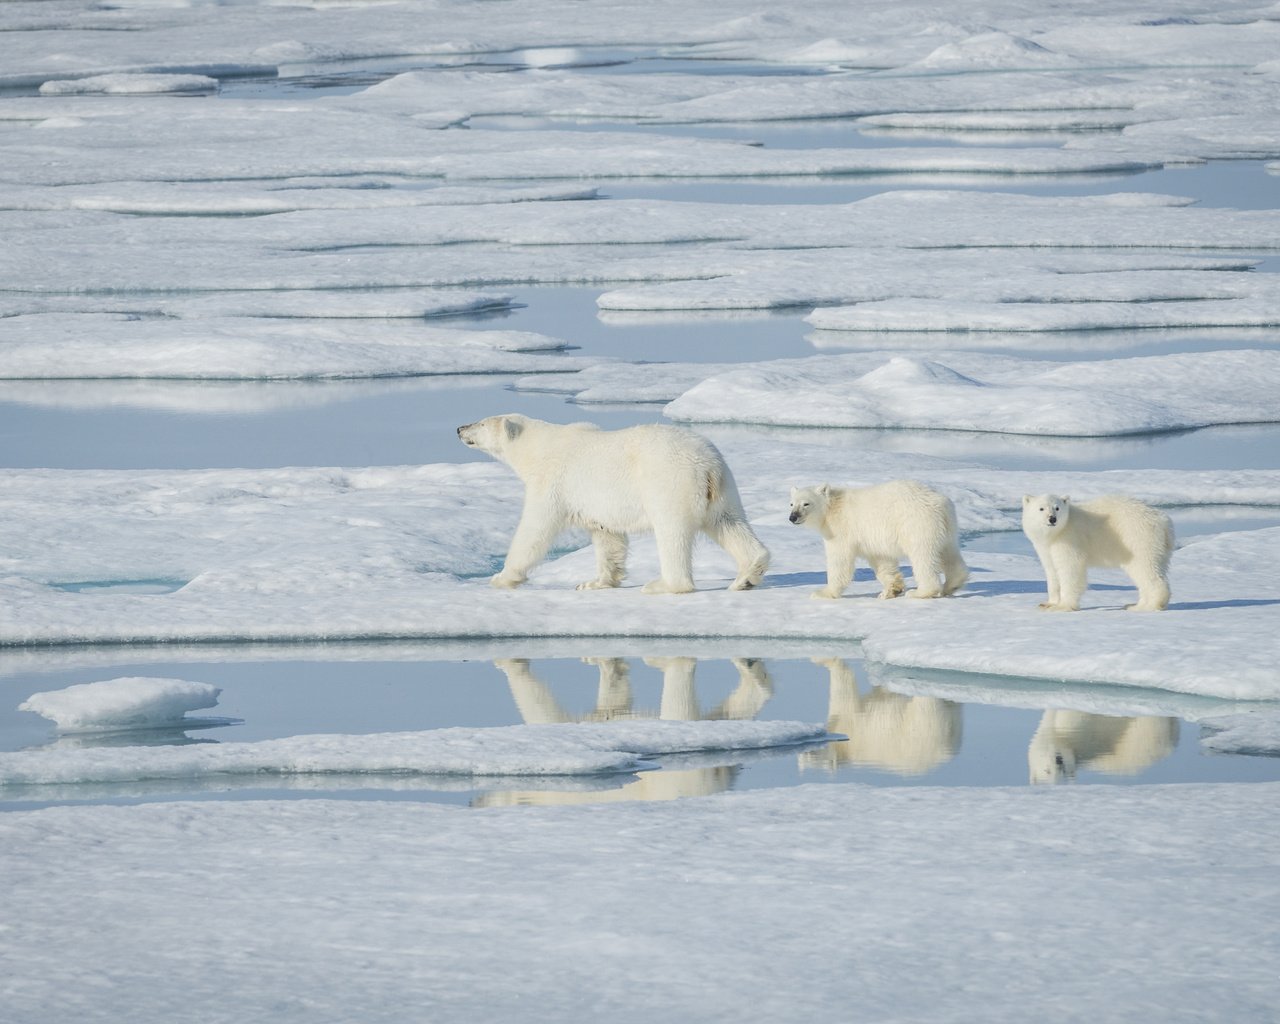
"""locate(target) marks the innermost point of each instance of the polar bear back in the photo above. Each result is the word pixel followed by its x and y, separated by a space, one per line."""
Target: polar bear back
pixel 891 519
pixel 1114 530
pixel 621 479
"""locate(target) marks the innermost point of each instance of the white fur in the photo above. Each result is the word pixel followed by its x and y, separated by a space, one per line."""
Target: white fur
pixel 1113 531
pixel 881 524
pixel 1067 741
pixel 614 483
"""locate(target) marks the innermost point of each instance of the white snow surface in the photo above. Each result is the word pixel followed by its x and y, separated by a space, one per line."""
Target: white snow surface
pixel 556 749
pixel 52 346
pixel 718 909
pixel 1256 733
pixel 131 702
pixel 993 393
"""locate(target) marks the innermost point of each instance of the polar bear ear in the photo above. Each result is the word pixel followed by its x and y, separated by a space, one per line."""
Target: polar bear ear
pixel 1066 498
pixel 1026 499
pixel 512 427
pixel 794 492
pixel 824 490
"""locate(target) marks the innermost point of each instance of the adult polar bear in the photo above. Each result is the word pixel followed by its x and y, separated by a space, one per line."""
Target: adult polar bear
pixel 1110 531
pixel 614 483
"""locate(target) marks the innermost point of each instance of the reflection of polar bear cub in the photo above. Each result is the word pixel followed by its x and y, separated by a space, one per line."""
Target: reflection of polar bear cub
pixel 1111 531
pixel 881 524
pixel 1066 741
pixel 615 482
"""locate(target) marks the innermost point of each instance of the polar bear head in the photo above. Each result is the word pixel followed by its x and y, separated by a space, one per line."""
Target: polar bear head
pixel 1044 514
pixel 494 434
pixel 809 505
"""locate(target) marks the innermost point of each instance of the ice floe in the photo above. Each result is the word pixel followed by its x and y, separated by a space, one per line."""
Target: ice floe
pixel 685 888
pixel 1255 733
pixel 969 391
pixel 130 84
pixel 560 749
pixel 119 346
pixel 134 702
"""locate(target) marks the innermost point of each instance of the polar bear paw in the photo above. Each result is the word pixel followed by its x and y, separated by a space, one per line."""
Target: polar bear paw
pixel 504 582
pixel 597 585
pixel 661 586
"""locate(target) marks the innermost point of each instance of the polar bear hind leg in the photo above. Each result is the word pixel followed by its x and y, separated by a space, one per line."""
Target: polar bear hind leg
pixel 1153 589
pixel 890 576
pixel 954 569
pixel 736 537
pixel 926 568
pixel 611 560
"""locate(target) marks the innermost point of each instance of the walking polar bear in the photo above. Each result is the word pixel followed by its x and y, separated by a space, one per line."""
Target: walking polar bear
pixel 881 524
pixel 614 483
pixel 1108 532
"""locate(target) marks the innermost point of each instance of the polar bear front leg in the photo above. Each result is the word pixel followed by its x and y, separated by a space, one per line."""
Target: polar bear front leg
pixel 537 529
pixel 841 559
pixel 1072 579
pixel 611 560
pixel 1051 578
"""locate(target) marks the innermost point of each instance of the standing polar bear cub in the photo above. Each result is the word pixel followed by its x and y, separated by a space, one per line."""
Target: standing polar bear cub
pixel 881 524
pixel 1113 531
pixel 614 483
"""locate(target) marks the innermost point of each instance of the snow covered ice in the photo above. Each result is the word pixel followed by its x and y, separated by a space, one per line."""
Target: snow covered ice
pixel 1032 250
pixel 132 703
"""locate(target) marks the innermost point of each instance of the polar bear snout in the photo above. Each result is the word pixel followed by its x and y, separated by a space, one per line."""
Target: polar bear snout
pixel 1053 520
pixel 473 435
pixel 795 516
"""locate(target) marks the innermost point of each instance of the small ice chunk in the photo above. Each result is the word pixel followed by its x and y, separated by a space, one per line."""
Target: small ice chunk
pixel 133 702
pixel 130 84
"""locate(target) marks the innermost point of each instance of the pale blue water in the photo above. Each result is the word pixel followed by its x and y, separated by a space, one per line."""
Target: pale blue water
pixel 355 689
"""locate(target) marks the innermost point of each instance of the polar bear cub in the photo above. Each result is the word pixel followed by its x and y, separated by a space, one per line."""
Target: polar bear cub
pixel 613 483
pixel 880 524
pixel 1112 531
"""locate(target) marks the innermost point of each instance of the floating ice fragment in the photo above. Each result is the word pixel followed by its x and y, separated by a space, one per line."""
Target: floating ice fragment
pixel 1256 733
pixel 134 702
pixel 130 84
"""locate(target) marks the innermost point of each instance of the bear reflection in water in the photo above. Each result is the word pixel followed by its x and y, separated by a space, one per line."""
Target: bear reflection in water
pixel 1068 741
pixel 887 730
pixel 614 700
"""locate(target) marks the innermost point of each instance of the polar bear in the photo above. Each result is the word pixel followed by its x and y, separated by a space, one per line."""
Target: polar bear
pixel 613 483
pixel 880 524
pixel 1110 531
